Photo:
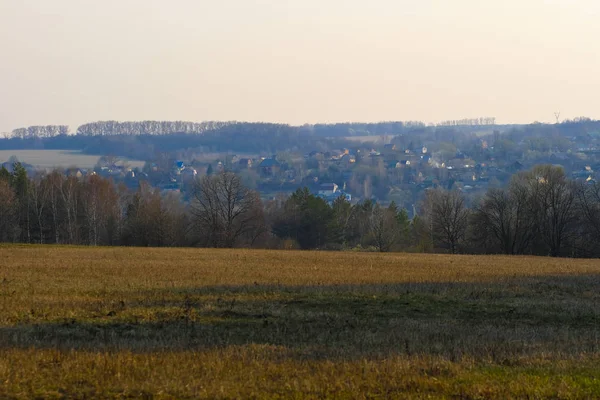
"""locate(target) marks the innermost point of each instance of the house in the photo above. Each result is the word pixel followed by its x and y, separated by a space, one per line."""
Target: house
pixel 348 159
pixel 76 172
pixel 269 167
pixel 330 193
pixel 189 174
pixel 515 167
pixel 466 176
pixel 559 156
pixel 328 189
pixel 245 163
pixel 335 155
pixel 390 146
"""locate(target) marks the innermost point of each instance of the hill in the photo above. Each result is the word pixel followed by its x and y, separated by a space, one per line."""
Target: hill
pixel 185 323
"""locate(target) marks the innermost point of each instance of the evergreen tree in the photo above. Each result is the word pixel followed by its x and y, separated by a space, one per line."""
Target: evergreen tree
pixel 306 218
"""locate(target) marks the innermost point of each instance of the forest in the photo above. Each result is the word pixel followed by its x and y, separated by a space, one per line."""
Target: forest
pixel 540 212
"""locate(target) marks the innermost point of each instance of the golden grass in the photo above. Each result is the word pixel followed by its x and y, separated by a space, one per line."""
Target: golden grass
pixel 184 323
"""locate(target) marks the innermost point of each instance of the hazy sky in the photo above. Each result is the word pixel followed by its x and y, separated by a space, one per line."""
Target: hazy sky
pixel 297 61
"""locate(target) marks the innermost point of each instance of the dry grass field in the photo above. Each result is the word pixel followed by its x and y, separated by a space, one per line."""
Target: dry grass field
pixel 184 323
pixel 58 158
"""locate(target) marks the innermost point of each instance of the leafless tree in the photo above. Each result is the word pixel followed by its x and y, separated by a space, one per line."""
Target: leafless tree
pixel 588 202
pixel 552 198
pixel 39 192
pixel 225 210
pixel 91 206
pixel 116 212
pixel 97 200
pixel 54 182
pixel 505 216
pixel 384 228
pixel 69 193
pixel 447 216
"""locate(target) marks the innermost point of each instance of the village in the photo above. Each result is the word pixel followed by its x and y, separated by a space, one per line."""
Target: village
pixel 384 172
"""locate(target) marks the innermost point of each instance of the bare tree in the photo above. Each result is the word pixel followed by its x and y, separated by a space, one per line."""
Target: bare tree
pixel 98 201
pixel 91 207
pixel 447 216
pixel 588 199
pixel 225 210
pixel 116 211
pixel 505 216
pixel 39 192
pixel 384 228
pixel 54 182
pixel 552 204
pixel 343 214
pixel 69 193
pixel 148 218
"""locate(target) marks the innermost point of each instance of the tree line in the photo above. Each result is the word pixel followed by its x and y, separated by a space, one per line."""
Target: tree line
pixel 481 121
pixel 112 128
pixel 541 212
pixel 41 131
pixel 131 128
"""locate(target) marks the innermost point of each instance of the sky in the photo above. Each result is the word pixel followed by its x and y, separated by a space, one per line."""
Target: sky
pixel 297 61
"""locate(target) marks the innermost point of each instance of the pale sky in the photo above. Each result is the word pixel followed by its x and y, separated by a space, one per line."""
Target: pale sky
pixel 297 61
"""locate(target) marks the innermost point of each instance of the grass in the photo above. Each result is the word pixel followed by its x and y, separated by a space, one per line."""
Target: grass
pixel 183 323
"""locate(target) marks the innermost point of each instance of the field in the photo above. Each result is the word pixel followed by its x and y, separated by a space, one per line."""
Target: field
pixel 377 139
pixel 185 323
pixel 57 158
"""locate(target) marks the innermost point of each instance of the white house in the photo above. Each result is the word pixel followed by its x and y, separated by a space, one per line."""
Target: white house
pixel 328 189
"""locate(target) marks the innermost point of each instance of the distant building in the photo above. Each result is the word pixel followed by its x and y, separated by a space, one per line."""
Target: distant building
pixel 335 154
pixel 348 159
pixel 331 192
pixel 189 174
pixel 245 163
pixel 75 172
pixel 328 189
pixel 269 167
